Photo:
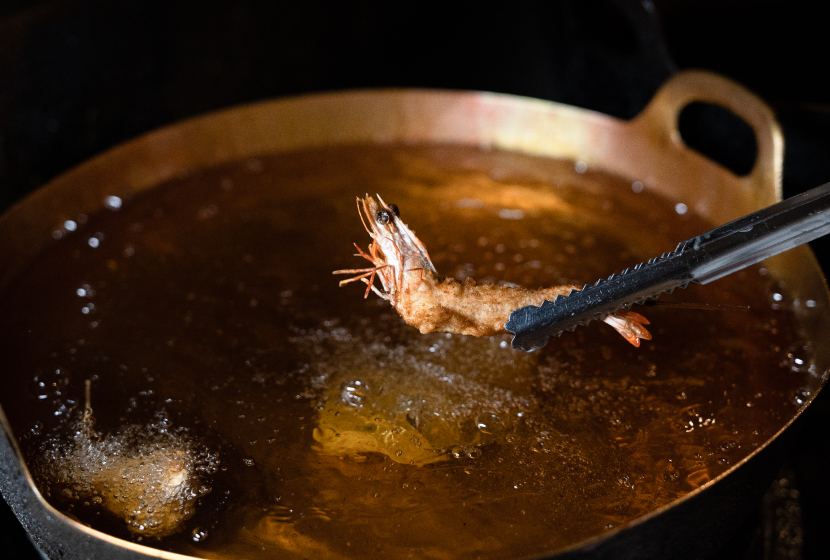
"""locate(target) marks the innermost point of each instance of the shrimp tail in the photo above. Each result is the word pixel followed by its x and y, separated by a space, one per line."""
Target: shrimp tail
pixel 630 325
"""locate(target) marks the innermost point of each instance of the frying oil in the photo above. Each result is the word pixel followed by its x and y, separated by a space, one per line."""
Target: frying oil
pixel 314 422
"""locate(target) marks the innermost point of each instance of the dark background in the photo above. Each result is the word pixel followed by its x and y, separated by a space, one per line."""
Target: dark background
pixel 79 76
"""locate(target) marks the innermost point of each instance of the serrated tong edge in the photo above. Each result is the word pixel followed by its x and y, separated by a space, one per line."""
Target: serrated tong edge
pixel 673 269
pixel 703 258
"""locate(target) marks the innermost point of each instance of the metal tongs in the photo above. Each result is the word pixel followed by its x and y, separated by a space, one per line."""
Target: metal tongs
pixel 701 259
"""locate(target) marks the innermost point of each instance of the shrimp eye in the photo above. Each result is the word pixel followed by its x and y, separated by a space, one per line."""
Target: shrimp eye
pixel 394 209
pixel 383 217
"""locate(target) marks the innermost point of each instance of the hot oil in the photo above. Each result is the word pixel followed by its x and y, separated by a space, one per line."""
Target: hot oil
pixel 206 307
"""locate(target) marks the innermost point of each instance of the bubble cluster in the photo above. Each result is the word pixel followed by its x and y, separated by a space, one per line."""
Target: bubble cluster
pixel 416 403
pixel 145 475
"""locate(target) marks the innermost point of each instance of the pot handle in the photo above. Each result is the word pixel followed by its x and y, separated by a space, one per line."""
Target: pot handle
pixel 661 117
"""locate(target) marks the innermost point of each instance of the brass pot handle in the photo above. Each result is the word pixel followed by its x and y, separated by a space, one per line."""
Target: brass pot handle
pixel 660 117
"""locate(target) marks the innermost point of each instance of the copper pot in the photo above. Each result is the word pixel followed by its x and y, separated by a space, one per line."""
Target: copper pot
pixel 647 148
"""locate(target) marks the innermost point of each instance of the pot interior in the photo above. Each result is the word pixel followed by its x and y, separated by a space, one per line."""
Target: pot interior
pixel 298 417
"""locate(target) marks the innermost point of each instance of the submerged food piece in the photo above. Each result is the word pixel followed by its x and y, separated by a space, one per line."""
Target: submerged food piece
pixel 149 480
pixel 421 404
pixel 411 284
pixel 349 432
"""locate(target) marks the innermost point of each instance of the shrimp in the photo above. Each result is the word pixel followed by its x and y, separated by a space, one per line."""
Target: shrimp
pixel 411 284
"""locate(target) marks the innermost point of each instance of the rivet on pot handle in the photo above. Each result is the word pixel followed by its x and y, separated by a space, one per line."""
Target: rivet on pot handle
pixel 661 117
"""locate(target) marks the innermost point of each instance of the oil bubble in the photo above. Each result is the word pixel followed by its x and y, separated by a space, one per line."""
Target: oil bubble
pixel 112 202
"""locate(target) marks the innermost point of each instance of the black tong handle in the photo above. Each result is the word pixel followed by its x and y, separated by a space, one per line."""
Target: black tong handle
pixel 704 258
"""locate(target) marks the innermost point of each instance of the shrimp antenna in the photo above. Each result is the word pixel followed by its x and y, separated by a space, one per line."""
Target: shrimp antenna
pixel 701 306
pixel 359 213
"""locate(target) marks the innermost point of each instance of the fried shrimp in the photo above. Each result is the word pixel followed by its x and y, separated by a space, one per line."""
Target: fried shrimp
pixel 411 284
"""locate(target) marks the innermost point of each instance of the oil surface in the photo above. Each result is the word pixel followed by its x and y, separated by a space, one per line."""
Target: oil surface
pixel 205 315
